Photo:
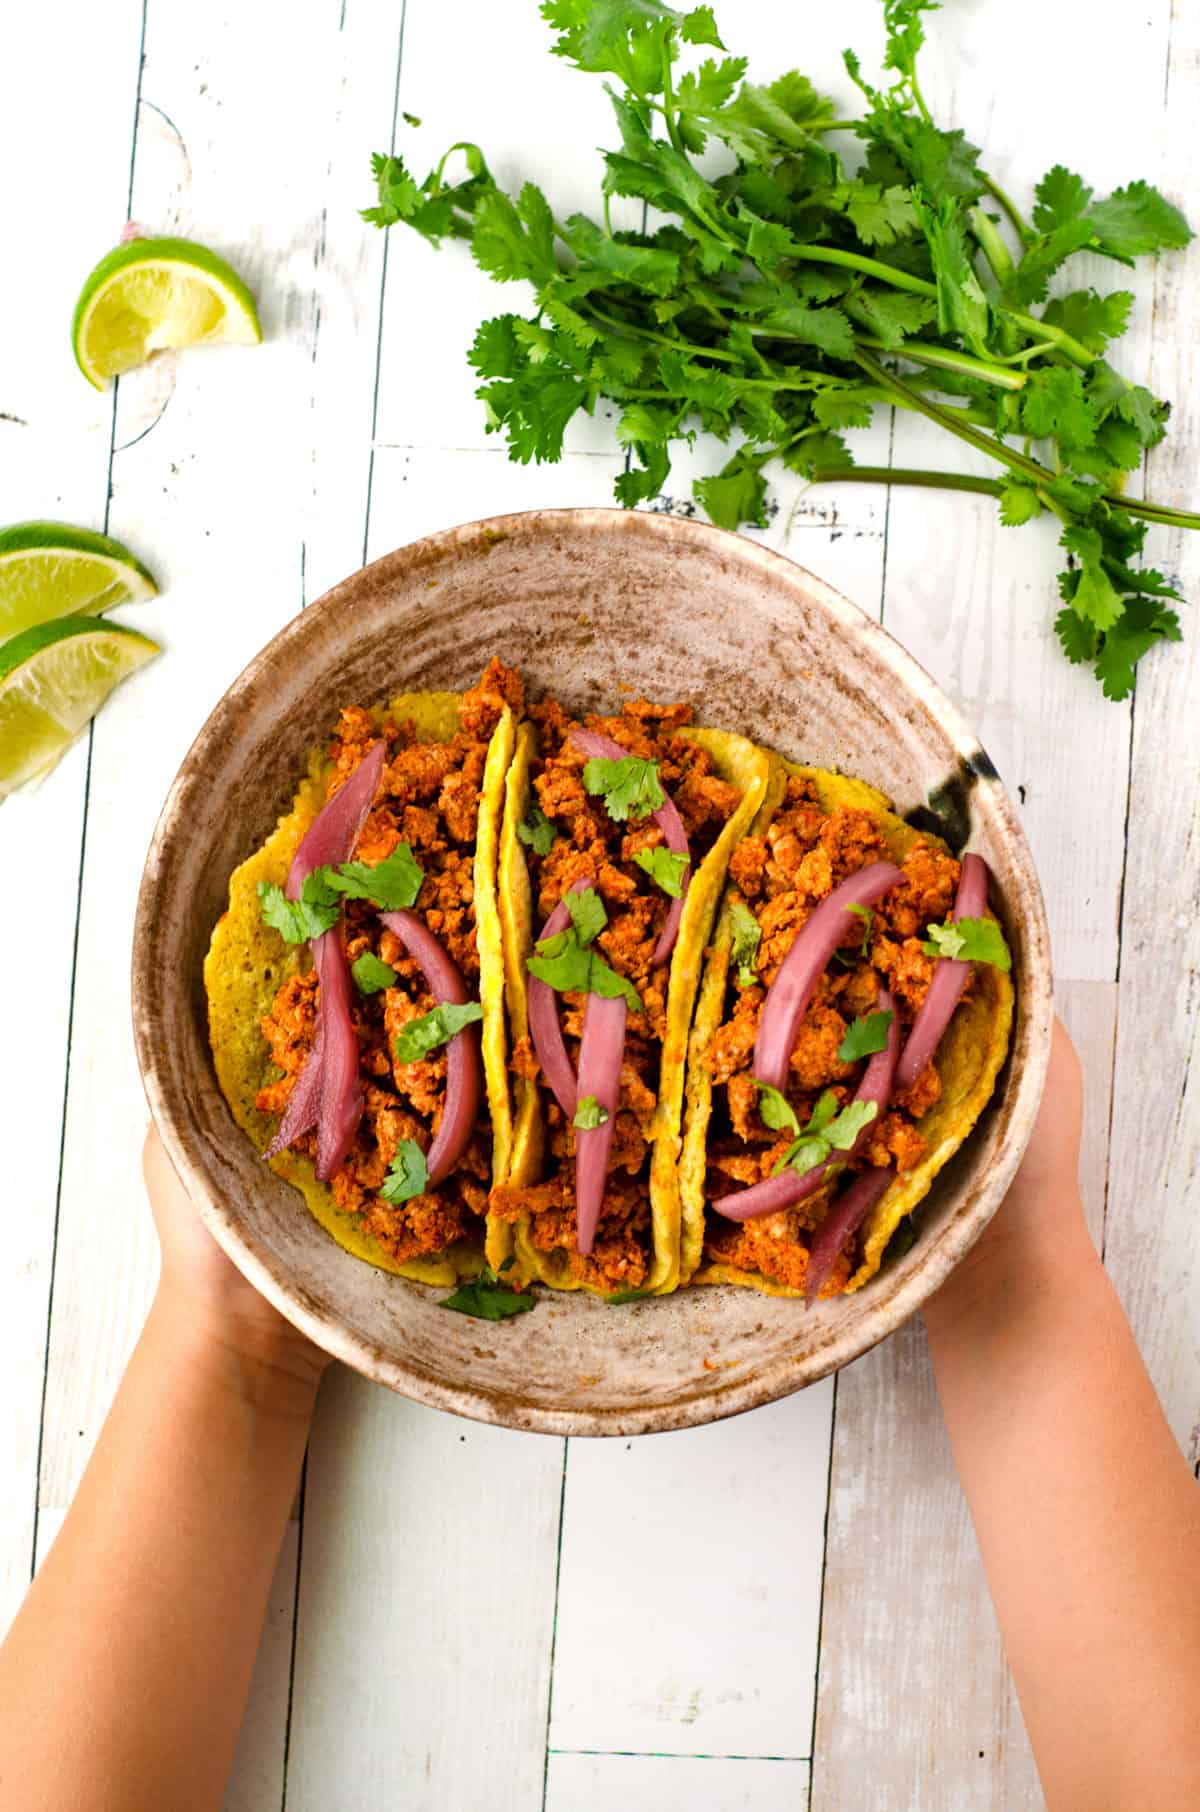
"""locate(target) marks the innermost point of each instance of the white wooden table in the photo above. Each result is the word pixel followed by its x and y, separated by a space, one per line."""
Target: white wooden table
pixel 787 1610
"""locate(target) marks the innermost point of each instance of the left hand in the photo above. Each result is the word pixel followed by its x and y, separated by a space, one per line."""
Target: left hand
pixel 207 1294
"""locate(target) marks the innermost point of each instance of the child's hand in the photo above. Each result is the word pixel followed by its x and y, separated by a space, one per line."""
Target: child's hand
pixel 1041 1218
pixel 206 1294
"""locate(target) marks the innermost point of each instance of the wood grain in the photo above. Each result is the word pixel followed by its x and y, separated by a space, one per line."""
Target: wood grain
pixel 1154 1191
pixel 644 1783
pixel 426 1609
pixel 55 440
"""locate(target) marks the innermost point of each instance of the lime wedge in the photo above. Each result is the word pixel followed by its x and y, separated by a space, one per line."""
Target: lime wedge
pixel 53 678
pixel 50 569
pixel 158 293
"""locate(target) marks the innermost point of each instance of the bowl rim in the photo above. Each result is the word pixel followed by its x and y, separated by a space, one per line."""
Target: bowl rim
pixel 786 1374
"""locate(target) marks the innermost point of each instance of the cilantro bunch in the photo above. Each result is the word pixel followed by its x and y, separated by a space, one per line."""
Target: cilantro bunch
pixel 779 303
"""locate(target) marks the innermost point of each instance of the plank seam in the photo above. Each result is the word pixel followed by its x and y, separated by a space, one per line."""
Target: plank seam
pixel 382 295
pixel 680 1755
pixel 287 1722
pixel 562 1509
pixel 821 1599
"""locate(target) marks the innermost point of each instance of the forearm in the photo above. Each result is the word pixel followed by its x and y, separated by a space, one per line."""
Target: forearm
pixel 124 1677
pixel 1087 1518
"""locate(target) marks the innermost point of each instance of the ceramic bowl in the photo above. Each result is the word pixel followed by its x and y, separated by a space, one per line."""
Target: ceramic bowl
pixel 588 603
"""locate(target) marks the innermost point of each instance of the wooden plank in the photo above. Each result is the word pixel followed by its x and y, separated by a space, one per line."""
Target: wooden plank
pixel 426 1608
pixel 914 1694
pixel 1154 1199
pixel 689 1587
pixel 223 513
pixel 975 602
pixel 644 1783
pixel 256 1778
pixel 55 436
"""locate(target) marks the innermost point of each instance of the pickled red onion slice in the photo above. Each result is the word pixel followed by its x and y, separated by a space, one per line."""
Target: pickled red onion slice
pixel 591 743
pixel 789 1186
pixel 544 1028
pixel 950 977
pixel 845 1217
pixel 804 964
pixel 464 1062
pixel 328 1094
pixel 601 1052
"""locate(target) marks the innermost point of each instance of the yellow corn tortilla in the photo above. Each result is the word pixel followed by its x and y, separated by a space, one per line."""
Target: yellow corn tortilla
pixel 968 1060
pixel 747 766
pixel 247 963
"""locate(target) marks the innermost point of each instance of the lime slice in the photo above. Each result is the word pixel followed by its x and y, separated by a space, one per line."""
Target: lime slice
pixel 156 293
pixel 53 678
pixel 50 569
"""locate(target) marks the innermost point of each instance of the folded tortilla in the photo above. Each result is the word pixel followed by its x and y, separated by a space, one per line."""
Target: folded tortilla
pixel 744 764
pixel 968 1061
pixel 247 963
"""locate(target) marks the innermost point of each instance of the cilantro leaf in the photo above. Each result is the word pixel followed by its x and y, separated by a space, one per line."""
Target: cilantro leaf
pixel 1144 623
pixel 736 494
pixel 747 936
pixel 629 785
pixel 487 1299
pixel 588 916
pixel 880 216
pixel 1091 319
pixel 775 1110
pixel 370 975
pixel 1092 593
pixel 537 832
pixel 408 1174
pixel 1137 220
pixel 699 27
pixel 1053 403
pixel 315 912
pixel 665 868
pixel 865 1037
pixel 858 953
pixel 420 1036
pixel 1061 197
pixel 969 941
pixel 1018 503
pixel 620 1297
pixel 392 885
pixel 589 1113
pixel 828 1130
pixel 515 239
pixel 570 967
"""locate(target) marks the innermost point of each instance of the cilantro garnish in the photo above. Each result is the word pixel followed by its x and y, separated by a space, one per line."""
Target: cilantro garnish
pixel 487 1299
pixel 588 916
pixel 296 921
pixel 589 1113
pixel 536 831
pixel 371 975
pixel 865 1037
pixel 392 885
pixel 747 936
pixel 775 1110
pixel 778 299
pixel 969 941
pixel 620 1297
pixel 828 1130
pixel 629 786
pixel 408 1174
pixel 665 868
pixel 436 1027
pixel 571 967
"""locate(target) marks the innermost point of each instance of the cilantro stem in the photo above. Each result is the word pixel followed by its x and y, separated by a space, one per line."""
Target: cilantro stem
pixel 943 481
pixel 952 422
pixel 870 267
pixel 1042 330
pixel 943 360
pixel 1017 220
pixel 1154 512
pixel 991 245
pixel 661 339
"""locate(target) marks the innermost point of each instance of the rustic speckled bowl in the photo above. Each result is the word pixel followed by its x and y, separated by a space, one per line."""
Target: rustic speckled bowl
pixel 586 602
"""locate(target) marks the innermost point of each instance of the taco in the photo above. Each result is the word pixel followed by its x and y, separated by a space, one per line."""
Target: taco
pixel 355 983
pixel 838 979
pixel 615 838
